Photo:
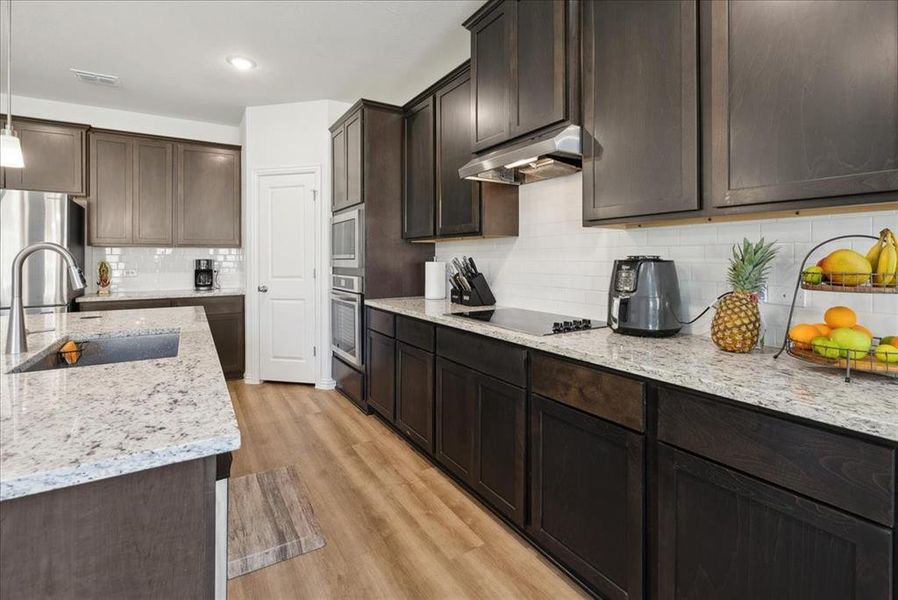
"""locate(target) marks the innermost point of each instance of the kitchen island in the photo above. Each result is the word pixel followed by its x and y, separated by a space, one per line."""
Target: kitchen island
pixel 645 467
pixel 108 472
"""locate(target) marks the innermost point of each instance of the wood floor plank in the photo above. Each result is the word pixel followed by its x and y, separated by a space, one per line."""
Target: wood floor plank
pixel 396 527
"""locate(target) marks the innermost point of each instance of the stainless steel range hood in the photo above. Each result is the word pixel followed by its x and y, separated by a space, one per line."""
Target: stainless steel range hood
pixel 550 154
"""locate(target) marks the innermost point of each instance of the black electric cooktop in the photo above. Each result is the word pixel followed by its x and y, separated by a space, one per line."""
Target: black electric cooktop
pixel 531 321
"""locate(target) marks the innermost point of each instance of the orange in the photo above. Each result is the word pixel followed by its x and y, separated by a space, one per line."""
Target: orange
pixel 863 329
pixel 823 328
pixel 802 334
pixel 840 316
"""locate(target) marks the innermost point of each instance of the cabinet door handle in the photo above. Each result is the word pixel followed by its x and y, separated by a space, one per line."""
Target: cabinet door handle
pixel 263 288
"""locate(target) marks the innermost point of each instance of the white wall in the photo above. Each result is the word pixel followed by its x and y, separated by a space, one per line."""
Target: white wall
pixel 110 118
pixel 557 265
pixel 281 136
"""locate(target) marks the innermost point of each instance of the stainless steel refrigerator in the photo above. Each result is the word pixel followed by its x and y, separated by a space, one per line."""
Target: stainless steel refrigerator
pixel 29 217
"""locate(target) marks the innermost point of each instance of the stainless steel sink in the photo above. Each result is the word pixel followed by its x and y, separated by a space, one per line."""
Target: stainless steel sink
pixel 102 351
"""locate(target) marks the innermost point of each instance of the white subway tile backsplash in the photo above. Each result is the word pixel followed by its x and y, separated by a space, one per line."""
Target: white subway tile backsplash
pixel 161 268
pixel 557 265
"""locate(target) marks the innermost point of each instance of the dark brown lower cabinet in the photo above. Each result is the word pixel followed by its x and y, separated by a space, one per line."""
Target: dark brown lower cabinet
pixel 382 374
pixel 480 435
pixel 499 444
pixel 455 418
pixel 227 333
pixel 722 534
pixel 587 495
pixel 414 394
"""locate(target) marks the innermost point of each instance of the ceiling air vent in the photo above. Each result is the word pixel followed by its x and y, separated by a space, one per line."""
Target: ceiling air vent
pixel 95 78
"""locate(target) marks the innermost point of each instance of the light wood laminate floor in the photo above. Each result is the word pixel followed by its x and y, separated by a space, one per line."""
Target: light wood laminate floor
pixel 396 527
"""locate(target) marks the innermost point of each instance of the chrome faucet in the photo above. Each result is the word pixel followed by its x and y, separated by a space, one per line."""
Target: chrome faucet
pixel 15 334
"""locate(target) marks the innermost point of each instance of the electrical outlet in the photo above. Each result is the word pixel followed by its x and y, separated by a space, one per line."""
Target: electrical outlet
pixel 130 273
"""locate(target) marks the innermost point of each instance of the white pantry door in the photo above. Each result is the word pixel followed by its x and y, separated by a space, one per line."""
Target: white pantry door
pixel 286 289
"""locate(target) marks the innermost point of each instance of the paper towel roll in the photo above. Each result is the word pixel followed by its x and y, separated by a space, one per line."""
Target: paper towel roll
pixel 434 280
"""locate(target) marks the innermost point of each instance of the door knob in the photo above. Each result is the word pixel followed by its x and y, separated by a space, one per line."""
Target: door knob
pixel 263 288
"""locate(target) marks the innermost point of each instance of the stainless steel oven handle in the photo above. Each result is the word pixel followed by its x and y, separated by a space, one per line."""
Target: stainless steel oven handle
pixel 345 297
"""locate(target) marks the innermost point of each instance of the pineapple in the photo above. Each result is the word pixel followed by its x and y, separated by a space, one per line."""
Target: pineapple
pixel 737 322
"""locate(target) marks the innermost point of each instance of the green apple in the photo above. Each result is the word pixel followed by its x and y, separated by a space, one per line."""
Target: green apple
pixel 812 275
pixel 853 344
pixel 887 353
pixel 825 347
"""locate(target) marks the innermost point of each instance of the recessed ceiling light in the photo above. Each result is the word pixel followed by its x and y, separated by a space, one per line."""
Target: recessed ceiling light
pixel 241 63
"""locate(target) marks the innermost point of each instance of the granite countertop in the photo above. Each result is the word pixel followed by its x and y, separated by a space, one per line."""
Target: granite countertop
pixel 64 427
pixel 160 294
pixel 869 404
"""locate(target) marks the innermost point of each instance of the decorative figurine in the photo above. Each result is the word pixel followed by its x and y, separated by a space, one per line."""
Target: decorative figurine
pixel 103 283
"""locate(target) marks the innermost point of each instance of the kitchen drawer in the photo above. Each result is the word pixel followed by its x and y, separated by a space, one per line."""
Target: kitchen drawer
pixel 123 304
pixel 499 359
pixel 613 397
pixel 845 472
pixel 349 382
pixel 214 306
pixel 416 333
pixel 381 321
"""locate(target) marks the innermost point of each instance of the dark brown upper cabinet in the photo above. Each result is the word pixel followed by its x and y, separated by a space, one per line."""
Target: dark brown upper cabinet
pixel 54 156
pixel 347 161
pixel 418 188
pixel 524 68
pixel 640 108
pixel 437 142
pixel 153 181
pixel 207 201
pixel 800 100
pixel 723 534
pixel 458 200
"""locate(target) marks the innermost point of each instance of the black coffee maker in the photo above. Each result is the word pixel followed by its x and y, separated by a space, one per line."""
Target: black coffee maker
pixel 204 274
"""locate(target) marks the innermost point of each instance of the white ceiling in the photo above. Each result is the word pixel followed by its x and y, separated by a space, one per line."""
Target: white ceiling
pixel 170 56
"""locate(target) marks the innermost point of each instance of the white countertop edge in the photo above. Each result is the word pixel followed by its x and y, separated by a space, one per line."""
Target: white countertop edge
pixel 855 422
pixel 58 478
pixel 160 295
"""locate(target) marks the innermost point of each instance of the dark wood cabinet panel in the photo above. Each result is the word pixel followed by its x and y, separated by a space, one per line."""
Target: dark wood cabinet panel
pixel 111 202
pixel 381 321
pixel 837 469
pixel 538 85
pixel 418 155
pixel 153 192
pixel 208 196
pixel 338 168
pixel 354 160
pixel 499 445
pixel 457 200
pixel 54 158
pixel 417 333
pixel 381 366
pixel 613 397
pixel 415 394
pixel 646 121
pixel 101 305
pixel 587 495
pixel 725 535
pixel 498 359
pixel 455 418
pixel 801 101
pixel 350 383
pixel 227 333
pixel 491 70
pixel 149 534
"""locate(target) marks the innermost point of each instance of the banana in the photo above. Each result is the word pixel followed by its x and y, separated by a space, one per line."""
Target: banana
pixel 874 252
pixel 888 261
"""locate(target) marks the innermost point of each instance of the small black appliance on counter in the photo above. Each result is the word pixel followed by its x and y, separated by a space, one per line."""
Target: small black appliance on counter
pixel 204 274
pixel 644 297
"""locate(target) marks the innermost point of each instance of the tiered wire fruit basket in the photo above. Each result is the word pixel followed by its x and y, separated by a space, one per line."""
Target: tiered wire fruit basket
pixel 853 283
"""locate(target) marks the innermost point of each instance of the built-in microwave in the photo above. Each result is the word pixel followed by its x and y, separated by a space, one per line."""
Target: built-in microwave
pixel 348 239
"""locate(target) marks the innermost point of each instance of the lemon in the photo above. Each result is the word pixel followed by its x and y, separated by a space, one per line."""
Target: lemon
pixel 812 275
pixel 887 353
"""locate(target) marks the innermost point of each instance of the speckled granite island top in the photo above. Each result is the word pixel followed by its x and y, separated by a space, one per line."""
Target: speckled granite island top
pixel 869 404
pixel 63 427
pixel 159 295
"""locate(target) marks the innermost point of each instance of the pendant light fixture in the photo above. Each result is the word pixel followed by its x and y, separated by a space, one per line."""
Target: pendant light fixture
pixel 10 146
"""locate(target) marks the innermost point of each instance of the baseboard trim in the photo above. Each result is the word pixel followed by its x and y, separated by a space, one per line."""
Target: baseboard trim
pixel 326 384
